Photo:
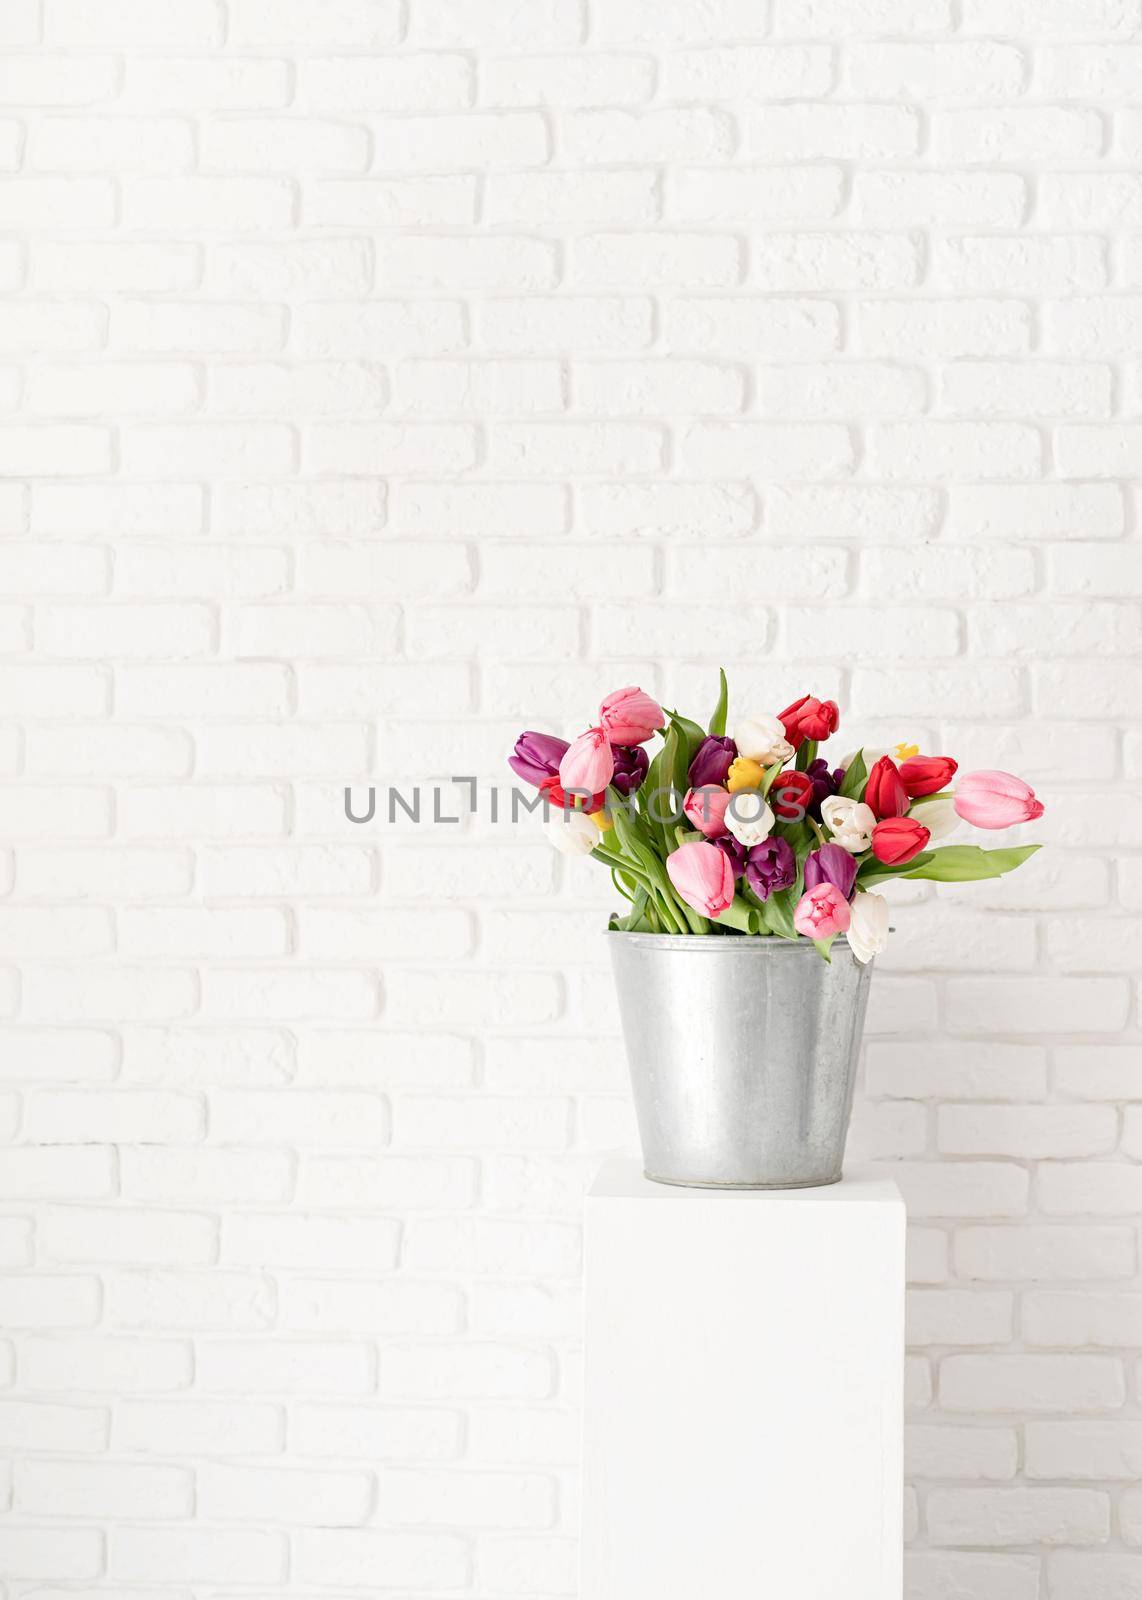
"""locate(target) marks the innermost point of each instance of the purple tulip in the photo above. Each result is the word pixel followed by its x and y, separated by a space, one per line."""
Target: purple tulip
pixel 631 766
pixel 831 864
pixel 736 854
pixel 712 761
pixel 537 756
pixel 824 782
pixel 771 866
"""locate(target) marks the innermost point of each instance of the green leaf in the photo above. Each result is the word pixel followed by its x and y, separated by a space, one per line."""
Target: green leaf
pixel 690 734
pixel 824 947
pixel 872 871
pixel 964 863
pixel 806 754
pixel 779 913
pixel 740 915
pixel 718 720
pixel 856 776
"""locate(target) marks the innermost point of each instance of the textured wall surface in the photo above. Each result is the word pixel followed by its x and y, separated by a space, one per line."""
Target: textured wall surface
pixel 379 377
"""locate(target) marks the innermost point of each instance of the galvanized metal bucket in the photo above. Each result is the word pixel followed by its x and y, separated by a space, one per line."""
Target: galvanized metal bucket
pixel 743 1055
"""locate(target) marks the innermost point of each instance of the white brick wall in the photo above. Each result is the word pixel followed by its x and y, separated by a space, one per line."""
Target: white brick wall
pixel 378 377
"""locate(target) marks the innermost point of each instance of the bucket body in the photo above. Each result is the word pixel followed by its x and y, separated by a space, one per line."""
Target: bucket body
pixel 743 1056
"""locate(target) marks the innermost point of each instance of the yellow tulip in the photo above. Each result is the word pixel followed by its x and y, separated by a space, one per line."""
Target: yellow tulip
pixel 744 774
pixel 601 820
pixel 905 752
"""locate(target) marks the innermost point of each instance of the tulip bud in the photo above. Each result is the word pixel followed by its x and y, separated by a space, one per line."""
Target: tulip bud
pixel 702 876
pixel 809 718
pixel 821 912
pixel 868 926
pixel 589 763
pixel 748 818
pixel 706 809
pixel 996 800
pixel 572 833
pixel 884 793
pixel 792 795
pixel 744 774
pixel 630 716
pixel 631 766
pixel 771 866
pixel 831 864
pixel 712 761
pixel 537 756
pixel 763 739
pixel 923 775
pixel 898 839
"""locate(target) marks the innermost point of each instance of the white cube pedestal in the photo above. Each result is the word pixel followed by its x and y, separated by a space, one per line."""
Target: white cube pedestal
pixel 743 1413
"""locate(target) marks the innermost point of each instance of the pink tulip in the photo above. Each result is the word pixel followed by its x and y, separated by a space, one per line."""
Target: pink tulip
pixel 995 800
pixel 821 912
pixel 588 763
pixel 702 875
pixel 630 716
pixel 706 809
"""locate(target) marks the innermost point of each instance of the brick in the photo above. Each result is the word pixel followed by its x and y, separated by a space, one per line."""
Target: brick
pixel 1044 1253
pixel 949 1452
pixel 1047 511
pixel 835 261
pixel 1085 1450
pixel 376 1433
pixel 749 71
pixel 197 1427
pixel 231 451
pixel 301 269
pixel 409 262
pixel 201 1555
pixel 963 1189
pixel 1037 1005
pixel 762 194
pixel 45 326
pixel 510 388
pixel 286 144
pixel 926 72
pixel 476 140
pixel 352 1556
pixel 958 1317
pixel 113 144
pixel 807 132
pixel 592 79
pixel 1097 327
pixel 571 199
pixel 836 389
pixel 107 1489
pixel 1018 1516
pixel 1029 1132
pixel 386 83
pixel 674 510
pixel 1094 1577
pixel 354 24
pixel 575 324
pixel 942 330
pixel 1018 134
pixel 1024 263
pixel 769 450
pixel 206 83
pixel 166 1300
pixel 105 1365
pixel 57 80
pixel 696 133
pixel 213 204
pixel 64 1555
pixel 692 261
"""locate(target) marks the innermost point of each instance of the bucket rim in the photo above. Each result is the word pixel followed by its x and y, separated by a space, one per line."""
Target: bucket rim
pixel 752 942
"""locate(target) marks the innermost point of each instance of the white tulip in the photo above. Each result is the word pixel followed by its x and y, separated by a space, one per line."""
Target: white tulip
pixel 849 821
pixel 938 816
pixel 749 818
pixel 868 926
pixel 762 739
pixel 572 832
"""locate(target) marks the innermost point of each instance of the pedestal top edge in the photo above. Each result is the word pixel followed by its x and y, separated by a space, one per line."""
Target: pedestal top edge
pixel 622 1178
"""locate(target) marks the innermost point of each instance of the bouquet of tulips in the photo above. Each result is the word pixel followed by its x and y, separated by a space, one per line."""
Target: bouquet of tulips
pixel 757 833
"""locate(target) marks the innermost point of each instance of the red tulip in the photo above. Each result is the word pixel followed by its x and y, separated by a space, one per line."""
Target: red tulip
pixel 791 795
pixel 885 793
pixel 898 839
pixel 808 718
pixel 927 774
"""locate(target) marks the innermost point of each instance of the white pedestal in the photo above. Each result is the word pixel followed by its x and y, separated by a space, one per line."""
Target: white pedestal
pixel 743 1408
